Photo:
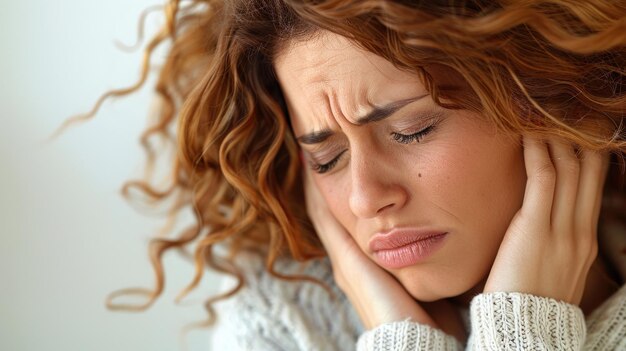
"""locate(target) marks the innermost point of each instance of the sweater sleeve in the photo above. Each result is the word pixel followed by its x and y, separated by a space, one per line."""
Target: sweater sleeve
pixel 514 321
pixel 517 321
pixel 500 321
pixel 606 326
pixel 407 335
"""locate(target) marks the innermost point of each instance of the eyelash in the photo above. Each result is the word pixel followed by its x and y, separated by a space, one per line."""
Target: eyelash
pixel 327 166
pixel 401 138
pixel 407 139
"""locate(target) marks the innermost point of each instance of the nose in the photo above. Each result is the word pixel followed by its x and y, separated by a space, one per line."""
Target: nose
pixel 375 189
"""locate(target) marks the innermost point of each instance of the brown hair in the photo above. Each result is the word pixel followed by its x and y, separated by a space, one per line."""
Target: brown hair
pixel 549 67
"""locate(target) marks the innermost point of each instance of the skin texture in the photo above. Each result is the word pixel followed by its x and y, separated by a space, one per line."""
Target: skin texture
pixel 521 213
pixel 380 183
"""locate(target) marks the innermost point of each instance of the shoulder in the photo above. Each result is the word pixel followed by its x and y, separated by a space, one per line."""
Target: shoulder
pixel 275 314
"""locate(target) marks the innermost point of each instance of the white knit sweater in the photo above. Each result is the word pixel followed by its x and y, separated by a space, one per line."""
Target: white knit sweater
pixel 271 314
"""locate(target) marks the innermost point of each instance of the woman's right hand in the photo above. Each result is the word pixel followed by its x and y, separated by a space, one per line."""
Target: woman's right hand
pixel 375 294
pixel 555 231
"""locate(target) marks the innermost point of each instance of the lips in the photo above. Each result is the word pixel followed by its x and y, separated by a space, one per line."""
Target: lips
pixel 400 237
pixel 400 248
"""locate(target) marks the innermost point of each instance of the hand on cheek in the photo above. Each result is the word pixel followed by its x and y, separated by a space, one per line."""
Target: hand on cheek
pixel 552 240
pixel 375 294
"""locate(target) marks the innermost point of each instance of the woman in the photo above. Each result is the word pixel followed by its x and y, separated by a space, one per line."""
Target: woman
pixel 460 159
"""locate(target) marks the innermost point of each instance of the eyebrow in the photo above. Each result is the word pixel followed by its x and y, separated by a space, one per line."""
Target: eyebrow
pixel 378 113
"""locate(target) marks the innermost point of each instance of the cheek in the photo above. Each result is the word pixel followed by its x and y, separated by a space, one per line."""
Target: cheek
pixel 336 194
pixel 469 182
pixel 477 184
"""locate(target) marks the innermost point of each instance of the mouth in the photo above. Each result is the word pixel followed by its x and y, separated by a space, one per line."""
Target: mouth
pixel 405 247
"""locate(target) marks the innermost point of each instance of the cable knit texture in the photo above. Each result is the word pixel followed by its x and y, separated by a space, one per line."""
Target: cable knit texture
pixel 407 335
pixel 271 314
pixel 516 321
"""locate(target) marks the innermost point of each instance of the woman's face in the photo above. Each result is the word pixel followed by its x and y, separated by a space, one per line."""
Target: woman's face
pixel 378 176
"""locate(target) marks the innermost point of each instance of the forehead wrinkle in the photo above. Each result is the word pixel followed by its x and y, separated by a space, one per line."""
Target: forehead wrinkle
pixel 359 94
pixel 301 103
pixel 329 96
pixel 314 71
pixel 307 112
pixel 325 97
pixel 336 113
pixel 327 116
pixel 313 114
pixel 357 103
pixel 348 101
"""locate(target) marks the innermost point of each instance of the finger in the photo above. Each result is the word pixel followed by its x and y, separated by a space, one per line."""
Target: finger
pixel 567 167
pixel 328 230
pixel 539 193
pixel 312 196
pixel 594 166
pixel 307 182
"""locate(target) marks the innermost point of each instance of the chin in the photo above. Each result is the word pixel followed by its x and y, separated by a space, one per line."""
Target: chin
pixel 430 296
pixel 429 291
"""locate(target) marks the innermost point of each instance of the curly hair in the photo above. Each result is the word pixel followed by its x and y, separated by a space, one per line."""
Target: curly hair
pixel 553 67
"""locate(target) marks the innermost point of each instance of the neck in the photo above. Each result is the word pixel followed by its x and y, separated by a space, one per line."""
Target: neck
pixel 464 299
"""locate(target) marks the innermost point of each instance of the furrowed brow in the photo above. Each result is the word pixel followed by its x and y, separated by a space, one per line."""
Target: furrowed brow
pixel 315 137
pixel 378 113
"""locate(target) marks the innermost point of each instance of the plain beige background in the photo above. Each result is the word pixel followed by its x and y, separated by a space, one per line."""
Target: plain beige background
pixel 67 237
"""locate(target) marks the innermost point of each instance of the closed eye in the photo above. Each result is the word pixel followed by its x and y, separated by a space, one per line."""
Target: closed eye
pixel 407 139
pixel 323 168
pixel 399 137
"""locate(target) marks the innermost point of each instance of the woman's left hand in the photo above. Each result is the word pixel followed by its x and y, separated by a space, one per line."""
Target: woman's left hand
pixel 376 295
pixel 551 242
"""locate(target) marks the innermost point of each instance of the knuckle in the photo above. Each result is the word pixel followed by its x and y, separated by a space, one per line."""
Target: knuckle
pixel 570 166
pixel 592 158
pixel 545 174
